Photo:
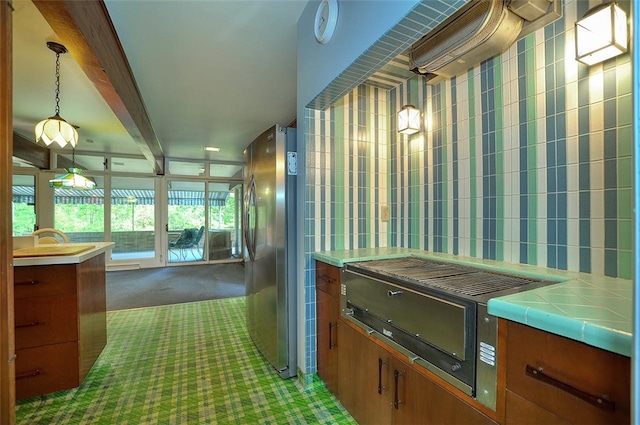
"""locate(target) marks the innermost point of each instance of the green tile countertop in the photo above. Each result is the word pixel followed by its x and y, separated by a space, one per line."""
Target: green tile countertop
pixel 596 310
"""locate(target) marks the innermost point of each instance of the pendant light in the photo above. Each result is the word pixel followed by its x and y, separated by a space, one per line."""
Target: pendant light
pixel 55 128
pixel 74 178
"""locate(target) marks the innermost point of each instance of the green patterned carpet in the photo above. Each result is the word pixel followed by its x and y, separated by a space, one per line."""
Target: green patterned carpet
pixel 190 363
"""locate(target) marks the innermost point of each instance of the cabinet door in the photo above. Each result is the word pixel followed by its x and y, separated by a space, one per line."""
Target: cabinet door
pixel 363 371
pixel 415 399
pixel 327 340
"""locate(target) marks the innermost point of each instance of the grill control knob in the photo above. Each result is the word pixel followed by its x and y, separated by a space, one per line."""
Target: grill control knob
pixel 456 367
pixel 392 294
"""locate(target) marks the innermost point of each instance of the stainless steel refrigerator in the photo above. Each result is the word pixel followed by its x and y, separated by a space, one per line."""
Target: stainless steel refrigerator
pixel 269 224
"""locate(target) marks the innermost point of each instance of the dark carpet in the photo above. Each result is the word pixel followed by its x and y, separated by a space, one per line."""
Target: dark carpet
pixel 173 285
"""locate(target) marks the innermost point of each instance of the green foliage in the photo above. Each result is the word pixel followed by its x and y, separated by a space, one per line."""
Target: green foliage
pixel 90 217
pixel 24 219
pixel 79 217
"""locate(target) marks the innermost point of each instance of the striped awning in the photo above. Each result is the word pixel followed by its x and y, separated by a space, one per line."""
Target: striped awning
pixel 25 195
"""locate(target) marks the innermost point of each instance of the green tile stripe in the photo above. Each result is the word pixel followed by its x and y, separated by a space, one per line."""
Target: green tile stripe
pixel 190 363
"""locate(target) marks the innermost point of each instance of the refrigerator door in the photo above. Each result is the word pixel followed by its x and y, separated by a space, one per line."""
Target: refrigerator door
pixel 270 305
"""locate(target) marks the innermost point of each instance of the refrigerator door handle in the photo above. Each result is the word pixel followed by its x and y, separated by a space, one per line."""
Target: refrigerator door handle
pixel 249 228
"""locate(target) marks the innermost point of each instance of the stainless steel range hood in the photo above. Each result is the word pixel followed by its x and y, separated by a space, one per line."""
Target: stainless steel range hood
pixel 478 31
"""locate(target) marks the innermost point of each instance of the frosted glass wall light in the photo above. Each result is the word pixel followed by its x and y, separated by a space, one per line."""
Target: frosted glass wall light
pixel 408 120
pixel 601 34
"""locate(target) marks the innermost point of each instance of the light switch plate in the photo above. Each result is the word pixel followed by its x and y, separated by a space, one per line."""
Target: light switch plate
pixel 384 212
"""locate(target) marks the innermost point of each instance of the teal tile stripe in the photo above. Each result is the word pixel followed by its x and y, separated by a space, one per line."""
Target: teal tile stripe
pixel 500 167
pixel 473 195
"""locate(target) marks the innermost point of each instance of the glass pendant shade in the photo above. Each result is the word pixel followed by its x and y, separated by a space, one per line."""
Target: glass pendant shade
pixel 56 129
pixel 409 120
pixel 601 34
pixel 73 180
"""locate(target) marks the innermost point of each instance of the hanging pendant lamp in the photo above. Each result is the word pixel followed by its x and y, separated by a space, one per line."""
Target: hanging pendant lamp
pixel 73 179
pixel 55 128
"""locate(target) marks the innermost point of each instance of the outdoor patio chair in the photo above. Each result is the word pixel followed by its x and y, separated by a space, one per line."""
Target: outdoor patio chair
pixel 184 241
pixel 196 244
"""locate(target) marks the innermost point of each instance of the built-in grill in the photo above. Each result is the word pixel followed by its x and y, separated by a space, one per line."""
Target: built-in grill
pixel 464 280
pixel 434 312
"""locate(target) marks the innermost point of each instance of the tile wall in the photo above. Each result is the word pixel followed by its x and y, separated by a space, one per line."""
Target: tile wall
pixel 526 158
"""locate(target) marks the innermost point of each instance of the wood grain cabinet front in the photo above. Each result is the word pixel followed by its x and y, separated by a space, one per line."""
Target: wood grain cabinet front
pixel 328 312
pixel 552 379
pixel 60 324
pixel 379 387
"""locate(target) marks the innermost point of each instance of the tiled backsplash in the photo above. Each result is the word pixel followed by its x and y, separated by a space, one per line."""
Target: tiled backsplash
pixel 527 158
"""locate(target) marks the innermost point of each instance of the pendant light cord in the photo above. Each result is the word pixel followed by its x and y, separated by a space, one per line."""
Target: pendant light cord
pixel 57 83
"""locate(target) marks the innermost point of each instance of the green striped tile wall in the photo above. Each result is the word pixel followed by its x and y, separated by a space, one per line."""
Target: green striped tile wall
pixel 525 158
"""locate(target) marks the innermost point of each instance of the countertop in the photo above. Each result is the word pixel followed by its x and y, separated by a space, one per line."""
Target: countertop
pixel 596 310
pixel 100 247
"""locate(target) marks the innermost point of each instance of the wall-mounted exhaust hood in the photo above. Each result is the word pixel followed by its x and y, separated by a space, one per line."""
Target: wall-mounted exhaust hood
pixel 478 31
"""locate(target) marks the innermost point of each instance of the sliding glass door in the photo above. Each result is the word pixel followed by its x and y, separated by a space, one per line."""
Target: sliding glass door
pixel 186 221
pixel 133 218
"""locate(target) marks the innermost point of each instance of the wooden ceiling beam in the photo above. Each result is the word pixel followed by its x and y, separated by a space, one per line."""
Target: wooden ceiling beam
pixel 34 154
pixel 86 30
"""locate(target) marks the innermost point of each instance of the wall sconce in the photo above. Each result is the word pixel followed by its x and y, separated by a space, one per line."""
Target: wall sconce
pixel 601 34
pixel 55 128
pixel 408 120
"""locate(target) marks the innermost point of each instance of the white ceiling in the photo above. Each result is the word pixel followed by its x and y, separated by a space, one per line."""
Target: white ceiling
pixel 210 73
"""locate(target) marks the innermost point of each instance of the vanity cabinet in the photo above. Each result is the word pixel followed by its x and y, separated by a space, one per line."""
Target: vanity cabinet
pixel 60 324
pixel 328 312
pixel 377 386
pixel 555 380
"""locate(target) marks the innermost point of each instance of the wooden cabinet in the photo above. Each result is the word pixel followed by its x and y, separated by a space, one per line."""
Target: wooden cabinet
pixel 363 377
pixel 379 387
pixel 328 312
pixel 552 379
pixel 60 324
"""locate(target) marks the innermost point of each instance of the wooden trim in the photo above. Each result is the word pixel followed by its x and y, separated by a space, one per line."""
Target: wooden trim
pixel 85 28
pixel 34 154
pixel 7 334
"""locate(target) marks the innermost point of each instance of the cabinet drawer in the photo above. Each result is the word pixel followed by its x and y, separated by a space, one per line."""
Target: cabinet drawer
pixel 328 279
pixel 575 381
pixel 35 281
pixel 47 369
pixel 45 320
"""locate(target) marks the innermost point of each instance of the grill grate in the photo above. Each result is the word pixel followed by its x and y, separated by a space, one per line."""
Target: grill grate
pixel 460 279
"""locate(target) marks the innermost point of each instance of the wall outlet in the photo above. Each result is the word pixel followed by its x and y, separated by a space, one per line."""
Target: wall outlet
pixel 384 212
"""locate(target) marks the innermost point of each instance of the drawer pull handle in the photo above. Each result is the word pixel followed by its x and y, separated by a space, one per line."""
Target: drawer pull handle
pixel 380 364
pixel 28 325
pixel 26 283
pixel 331 344
pixel 396 400
pixel 589 398
pixel 326 278
pixel 29 374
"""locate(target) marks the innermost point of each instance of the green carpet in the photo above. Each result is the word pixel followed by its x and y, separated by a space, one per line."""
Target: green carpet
pixel 191 363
